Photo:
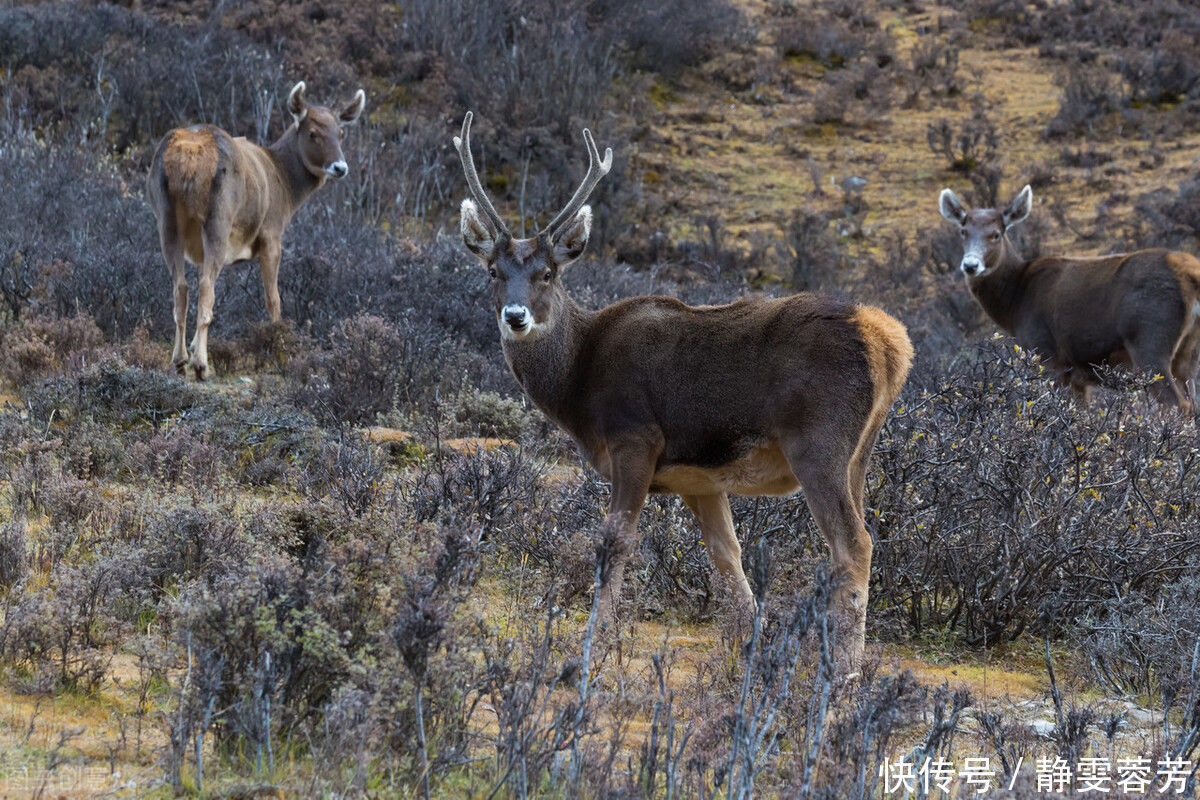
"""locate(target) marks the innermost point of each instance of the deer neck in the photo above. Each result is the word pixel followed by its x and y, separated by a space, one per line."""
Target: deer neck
pixel 298 182
pixel 545 366
pixel 999 290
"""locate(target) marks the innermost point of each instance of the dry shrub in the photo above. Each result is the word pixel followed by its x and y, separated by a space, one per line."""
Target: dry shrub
pixel 830 33
pixel 1089 95
pixel 114 393
pixel 967 147
pixel 976 543
pixel 1169 218
pixel 933 70
pixel 813 251
pixel 358 377
pixel 67 628
pixel 40 345
pixel 862 88
pixel 272 343
pixel 14 561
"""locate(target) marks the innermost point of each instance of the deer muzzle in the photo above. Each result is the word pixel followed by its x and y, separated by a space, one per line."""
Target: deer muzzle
pixel 517 317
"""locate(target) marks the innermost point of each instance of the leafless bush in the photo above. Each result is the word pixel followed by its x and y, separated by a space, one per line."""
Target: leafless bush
pixel 361 372
pixel 830 34
pixel 1137 646
pixel 429 598
pixel 813 250
pixel 53 194
pixel 1170 219
pixel 67 631
pixel 666 37
pixel 40 345
pixel 1067 502
pixel 933 70
pixel 547 65
pixel 1089 93
pixel 351 471
pixel 966 147
pixel 125 78
pixel 112 392
pixel 13 558
pixel 861 86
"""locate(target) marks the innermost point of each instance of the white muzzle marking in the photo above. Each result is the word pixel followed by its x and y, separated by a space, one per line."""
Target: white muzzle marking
pixel 516 322
pixel 972 263
pixel 337 169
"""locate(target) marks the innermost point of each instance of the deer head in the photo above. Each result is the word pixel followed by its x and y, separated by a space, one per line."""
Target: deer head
pixel 527 295
pixel 319 132
pixel 984 231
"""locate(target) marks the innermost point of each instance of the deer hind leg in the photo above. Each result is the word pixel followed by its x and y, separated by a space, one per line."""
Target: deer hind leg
pixel 1153 353
pixel 1186 363
pixel 210 270
pixel 172 250
pixel 1081 387
pixel 826 478
pixel 716 529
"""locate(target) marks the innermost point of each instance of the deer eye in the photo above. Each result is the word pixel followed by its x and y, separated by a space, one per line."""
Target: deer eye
pixel 995 237
pixel 963 231
pixel 312 135
pixel 549 276
pixel 492 271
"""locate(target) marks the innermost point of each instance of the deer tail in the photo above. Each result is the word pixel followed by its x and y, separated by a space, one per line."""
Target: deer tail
pixel 889 352
pixel 189 164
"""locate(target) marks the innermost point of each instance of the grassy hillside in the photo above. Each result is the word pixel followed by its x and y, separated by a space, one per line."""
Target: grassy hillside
pixel 359 563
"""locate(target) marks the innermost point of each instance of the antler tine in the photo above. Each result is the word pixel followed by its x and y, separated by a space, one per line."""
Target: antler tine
pixel 597 169
pixel 463 146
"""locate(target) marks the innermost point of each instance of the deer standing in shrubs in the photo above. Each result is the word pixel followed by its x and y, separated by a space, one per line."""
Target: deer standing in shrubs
pixel 220 200
pixel 761 396
pixel 1140 309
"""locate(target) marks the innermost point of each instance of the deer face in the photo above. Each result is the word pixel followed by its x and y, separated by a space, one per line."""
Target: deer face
pixel 984 231
pixel 319 132
pixel 527 295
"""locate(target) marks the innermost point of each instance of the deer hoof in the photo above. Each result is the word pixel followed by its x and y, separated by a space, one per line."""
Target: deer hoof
pixel 201 372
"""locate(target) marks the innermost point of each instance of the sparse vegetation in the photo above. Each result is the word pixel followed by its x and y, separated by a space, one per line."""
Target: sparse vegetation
pixel 360 563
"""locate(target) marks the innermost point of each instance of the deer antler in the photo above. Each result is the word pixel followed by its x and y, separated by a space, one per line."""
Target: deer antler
pixel 463 146
pixel 597 169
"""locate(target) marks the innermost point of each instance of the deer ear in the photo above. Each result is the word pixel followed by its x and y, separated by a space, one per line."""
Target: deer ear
pixel 477 236
pixel 951 207
pixel 296 104
pixel 1020 207
pixel 573 238
pixel 351 112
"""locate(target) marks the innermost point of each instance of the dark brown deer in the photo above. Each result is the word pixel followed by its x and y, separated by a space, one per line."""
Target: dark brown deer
pixel 220 199
pixel 762 396
pixel 1137 309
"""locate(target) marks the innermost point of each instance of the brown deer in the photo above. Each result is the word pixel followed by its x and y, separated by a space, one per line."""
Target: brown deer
pixel 1140 309
pixel 761 396
pixel 220 199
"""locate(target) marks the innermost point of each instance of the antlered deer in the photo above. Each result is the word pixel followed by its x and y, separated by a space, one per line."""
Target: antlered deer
pixel 219 200
pixel 1140 309
pixel 761 396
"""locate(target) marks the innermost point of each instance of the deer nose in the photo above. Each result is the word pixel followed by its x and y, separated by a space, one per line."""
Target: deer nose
pixel 338 169
pixel 517 317
pixel 971 266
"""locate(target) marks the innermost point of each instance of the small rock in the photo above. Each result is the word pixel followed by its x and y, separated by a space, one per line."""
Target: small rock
pixel 1042 727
